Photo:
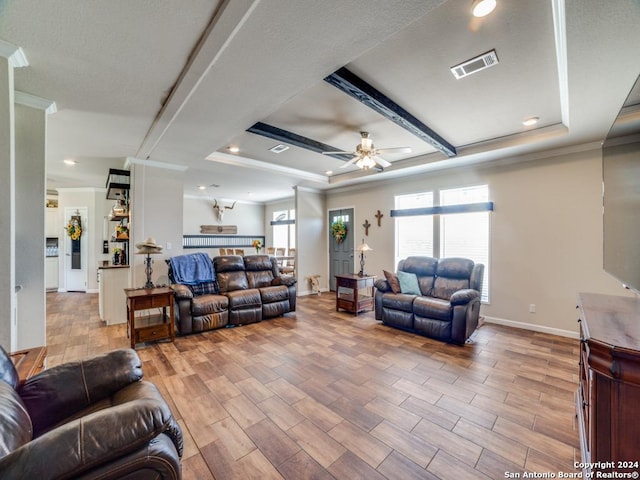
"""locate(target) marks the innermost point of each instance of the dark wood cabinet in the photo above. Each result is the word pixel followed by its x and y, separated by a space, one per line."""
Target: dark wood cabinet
pixel 150 327
pixel 354 293
pixel 608 398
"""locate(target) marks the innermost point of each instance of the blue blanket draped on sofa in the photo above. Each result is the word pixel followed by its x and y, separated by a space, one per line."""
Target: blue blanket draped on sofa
pixel 192 269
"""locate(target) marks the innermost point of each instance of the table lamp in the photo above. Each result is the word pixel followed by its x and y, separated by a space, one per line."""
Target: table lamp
pixel 148 248
pixel 363 247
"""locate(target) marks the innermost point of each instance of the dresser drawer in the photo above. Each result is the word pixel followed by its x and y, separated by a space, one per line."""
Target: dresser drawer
pixel 152 333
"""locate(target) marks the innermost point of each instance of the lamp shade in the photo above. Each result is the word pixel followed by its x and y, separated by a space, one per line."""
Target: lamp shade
pixel 363 247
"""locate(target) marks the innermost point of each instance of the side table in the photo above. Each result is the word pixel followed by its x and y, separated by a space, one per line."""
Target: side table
pixel 153 326
pixel 352 292
pixel 29 362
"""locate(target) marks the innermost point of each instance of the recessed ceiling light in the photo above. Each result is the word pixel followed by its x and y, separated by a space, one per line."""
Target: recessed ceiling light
pixel 68 161
pixel 234 149
pixel 482 8
pixel 530 121
pixel 328 172
pixel 201 187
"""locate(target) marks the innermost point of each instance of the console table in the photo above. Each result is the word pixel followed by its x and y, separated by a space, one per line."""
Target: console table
pixel 608 398
pixel 153 326
pixel 354 292
pixel 29 362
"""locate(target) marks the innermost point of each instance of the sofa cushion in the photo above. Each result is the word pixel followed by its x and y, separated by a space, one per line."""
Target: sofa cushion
pixel 445 287
pixel 205 304
pixel 274 294
pixel 408 283
pixel 260 278
pixel 430 307
pixel 239 299
pixel 392 280
pixel 233 280
pixel 15 421
pixel 398 301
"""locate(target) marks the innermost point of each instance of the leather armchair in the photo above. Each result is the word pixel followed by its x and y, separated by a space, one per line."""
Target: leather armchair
pixel 89 419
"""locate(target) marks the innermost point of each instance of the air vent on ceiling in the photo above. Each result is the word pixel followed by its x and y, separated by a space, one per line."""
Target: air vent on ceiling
pixel 279 148
pixel 486 60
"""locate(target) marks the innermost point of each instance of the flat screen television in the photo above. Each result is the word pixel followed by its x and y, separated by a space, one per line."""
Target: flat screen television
pixel 621 194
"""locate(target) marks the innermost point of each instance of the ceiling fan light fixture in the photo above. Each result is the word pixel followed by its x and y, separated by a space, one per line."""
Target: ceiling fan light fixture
pixel 482 8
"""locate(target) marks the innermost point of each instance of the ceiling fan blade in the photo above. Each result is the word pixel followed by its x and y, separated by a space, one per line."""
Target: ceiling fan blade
pixel 338 153
pixel 350 162
pixel 395 150
pixel 382 162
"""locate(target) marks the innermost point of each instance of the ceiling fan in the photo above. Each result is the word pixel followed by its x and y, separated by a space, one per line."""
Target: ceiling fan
pixel 367 156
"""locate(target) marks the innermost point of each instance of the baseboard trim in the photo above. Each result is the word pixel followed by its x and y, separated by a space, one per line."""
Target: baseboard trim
pixel 310 292
pixel 532 327
pixel 92 290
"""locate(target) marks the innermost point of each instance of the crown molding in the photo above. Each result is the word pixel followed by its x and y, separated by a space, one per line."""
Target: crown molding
pixel 39 103
pixel 14 54
pixel 153 163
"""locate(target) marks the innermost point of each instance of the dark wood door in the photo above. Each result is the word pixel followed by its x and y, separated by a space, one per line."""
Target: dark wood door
pixel 340 253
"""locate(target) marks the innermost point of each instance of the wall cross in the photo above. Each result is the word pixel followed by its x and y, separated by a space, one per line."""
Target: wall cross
pixel 366 226
pixel 379 216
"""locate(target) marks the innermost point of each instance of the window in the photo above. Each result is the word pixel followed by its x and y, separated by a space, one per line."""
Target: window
pixel 436 233
pixel 414 235
pixel 284 233
pixel 466 234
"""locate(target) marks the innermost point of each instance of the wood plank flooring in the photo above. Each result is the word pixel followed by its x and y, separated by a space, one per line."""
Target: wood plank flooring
pixel 321 395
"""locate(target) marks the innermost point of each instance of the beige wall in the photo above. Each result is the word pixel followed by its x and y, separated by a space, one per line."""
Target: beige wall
pixel 546 234
pixel 156 211
pixel 311 237
pixel 249 218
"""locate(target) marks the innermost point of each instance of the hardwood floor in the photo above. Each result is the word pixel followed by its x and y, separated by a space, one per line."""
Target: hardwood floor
pixel 320 394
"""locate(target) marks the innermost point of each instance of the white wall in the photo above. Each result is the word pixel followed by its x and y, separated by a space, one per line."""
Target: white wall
pixel 156 211
pixel 311 238
pixel 546 234
pixel 7 200
pixel 30 137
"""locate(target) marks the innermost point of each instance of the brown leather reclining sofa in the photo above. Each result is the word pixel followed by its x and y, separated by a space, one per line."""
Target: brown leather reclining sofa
pixel 86 420
pixel 246 290
pixel 446 305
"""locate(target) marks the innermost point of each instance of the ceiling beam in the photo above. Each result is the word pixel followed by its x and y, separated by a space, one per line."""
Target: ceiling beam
pixel 357 88
pixel 296 140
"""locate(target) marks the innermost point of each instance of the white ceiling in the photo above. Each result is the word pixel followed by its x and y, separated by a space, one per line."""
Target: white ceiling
pixel 178 83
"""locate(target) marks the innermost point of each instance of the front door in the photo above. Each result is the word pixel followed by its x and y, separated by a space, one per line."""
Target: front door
pixel 75 256
pixel 340 253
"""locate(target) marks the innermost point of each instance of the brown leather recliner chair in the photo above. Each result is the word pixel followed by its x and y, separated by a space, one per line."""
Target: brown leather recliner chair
pixel 89 419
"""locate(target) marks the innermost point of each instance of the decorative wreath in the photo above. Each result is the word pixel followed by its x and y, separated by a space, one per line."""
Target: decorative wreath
pixel 338 230
pixel 73 228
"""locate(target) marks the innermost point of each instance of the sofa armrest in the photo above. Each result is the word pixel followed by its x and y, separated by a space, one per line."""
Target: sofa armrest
pixel 181 292
pixel 286 280
pixel 462 297
pixel 60 391
pixel 382 285
pixel 90 441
